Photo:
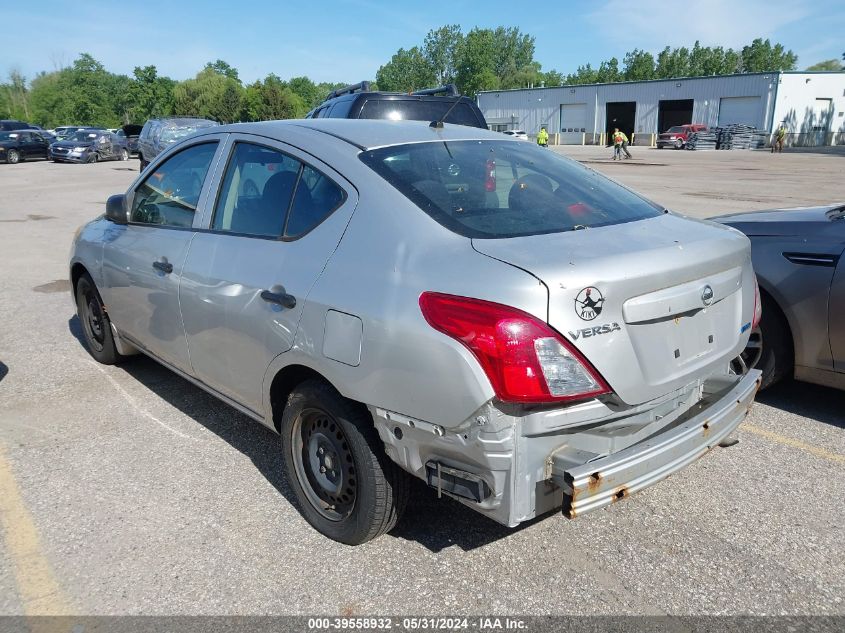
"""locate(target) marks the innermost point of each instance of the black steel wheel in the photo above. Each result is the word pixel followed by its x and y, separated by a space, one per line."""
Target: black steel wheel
pixel 96 327
pixel 324 463
pixel 345 485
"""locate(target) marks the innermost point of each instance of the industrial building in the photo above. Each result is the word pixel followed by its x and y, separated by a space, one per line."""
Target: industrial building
pixel 812 105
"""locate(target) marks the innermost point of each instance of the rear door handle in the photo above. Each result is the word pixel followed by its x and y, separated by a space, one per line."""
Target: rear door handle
pixel 165 267
pixel 281 298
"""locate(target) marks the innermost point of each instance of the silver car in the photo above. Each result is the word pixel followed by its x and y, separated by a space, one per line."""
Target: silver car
pixel 798 256
pixel 512 328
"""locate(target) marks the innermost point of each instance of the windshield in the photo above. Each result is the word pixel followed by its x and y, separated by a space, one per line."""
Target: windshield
pixel 8 136
pixel 495 189
pixel 676 130
pixel 84 135
pixel 173 134
pixel 414 110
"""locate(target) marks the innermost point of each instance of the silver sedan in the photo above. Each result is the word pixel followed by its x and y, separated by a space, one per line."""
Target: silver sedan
pixel 401 298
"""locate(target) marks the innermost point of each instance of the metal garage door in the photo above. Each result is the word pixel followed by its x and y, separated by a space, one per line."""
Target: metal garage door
pixel 573 122
pixel 744 110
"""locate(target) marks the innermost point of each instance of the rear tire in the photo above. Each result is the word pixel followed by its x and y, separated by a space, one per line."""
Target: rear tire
pixel 95 323
pixel 347 488
pixel 124 154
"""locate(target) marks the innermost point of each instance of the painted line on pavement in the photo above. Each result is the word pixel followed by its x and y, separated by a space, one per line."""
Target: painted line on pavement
pixel 788 441
pixel 38 589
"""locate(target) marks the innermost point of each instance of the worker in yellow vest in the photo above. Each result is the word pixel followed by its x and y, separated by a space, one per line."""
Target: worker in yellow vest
pixel 543 137
pixel 620 144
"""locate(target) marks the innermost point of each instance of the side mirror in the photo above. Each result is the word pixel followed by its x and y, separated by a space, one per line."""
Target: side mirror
pixel 116 209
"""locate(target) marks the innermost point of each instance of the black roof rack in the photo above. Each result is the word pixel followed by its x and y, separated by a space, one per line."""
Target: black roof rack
pixel 363 86
pixel 449 89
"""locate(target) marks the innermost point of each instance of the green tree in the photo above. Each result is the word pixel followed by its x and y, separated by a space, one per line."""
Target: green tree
pixel 828 64
pixel 639 65
pixel 151 96
pixel 476 68
pixel 223 68
pixel 440 49
pixel 407 70
pixel 608 71
pixel 760 57
pixel 309 93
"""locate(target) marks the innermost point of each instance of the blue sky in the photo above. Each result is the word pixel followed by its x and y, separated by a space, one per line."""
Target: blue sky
pixel 347 40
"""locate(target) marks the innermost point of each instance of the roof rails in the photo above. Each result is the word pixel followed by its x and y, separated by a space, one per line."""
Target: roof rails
pixel 363 86
pixel 449 89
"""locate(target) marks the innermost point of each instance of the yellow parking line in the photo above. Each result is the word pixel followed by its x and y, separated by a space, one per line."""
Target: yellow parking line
pixel 788 441
pixel 38 589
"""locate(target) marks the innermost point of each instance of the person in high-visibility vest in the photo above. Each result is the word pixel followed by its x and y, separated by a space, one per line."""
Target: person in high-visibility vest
pixel 780 137
pixel 620 144
pixel 543 137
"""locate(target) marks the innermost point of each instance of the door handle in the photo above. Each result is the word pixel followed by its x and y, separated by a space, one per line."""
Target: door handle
pixel 281 298
pixel 165 267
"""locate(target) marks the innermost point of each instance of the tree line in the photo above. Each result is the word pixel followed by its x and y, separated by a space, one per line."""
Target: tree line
pixel 86 93
pixel 482 59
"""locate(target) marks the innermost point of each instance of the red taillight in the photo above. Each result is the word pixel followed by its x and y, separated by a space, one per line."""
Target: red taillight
pixel 521 355
pixel 758 305
pixel 490 176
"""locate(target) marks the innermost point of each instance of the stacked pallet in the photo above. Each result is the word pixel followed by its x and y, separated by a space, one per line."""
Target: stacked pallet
pixel 703 140
pixel 734 136
pixel 737 136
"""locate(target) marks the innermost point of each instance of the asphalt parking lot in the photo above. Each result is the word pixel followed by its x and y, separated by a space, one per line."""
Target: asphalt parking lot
pixel 126 490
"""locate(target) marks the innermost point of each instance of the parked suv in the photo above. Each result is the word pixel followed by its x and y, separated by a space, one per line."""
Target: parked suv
pixel 158 134
pixel 678 135
pixel 9 125
pixel 513 329
pixel 358 102
pixel 19 145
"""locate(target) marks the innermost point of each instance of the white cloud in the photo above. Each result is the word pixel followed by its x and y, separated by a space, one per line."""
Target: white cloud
pixel 654 24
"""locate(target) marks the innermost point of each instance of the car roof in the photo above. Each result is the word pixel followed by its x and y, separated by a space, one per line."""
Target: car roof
pixel 369 133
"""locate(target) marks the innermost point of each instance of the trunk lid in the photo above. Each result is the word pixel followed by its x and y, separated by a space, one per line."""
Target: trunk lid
pixel 653 304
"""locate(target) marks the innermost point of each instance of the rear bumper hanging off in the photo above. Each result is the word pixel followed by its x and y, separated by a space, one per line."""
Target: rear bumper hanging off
pixel 602 481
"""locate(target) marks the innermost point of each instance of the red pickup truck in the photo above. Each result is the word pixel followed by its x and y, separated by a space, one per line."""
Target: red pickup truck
pixel 678 135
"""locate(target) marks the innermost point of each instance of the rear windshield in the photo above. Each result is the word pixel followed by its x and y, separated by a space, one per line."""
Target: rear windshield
pixel 414 110
pixel 498 189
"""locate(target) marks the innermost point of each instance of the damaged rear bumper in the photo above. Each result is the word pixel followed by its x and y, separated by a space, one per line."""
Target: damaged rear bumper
pixel 604 480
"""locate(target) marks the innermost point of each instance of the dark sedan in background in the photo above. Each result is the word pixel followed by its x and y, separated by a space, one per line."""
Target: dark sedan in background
pixel 20 145
pixel 798 258
pixel 89 146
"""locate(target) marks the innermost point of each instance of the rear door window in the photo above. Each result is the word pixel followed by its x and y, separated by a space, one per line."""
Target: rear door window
pixel 497 189
pixel 268 193
pixel 417 110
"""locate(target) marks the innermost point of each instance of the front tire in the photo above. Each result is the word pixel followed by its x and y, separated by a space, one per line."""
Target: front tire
pixel 346 486
pixel 13 157
pixel 96 327
pixel 777 356
pixel 124 154
pixel 679 144
pixel 94 158
pixel 769 348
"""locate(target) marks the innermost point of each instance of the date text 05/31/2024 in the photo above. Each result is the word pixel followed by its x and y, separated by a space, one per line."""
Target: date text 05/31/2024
pixel 417 624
